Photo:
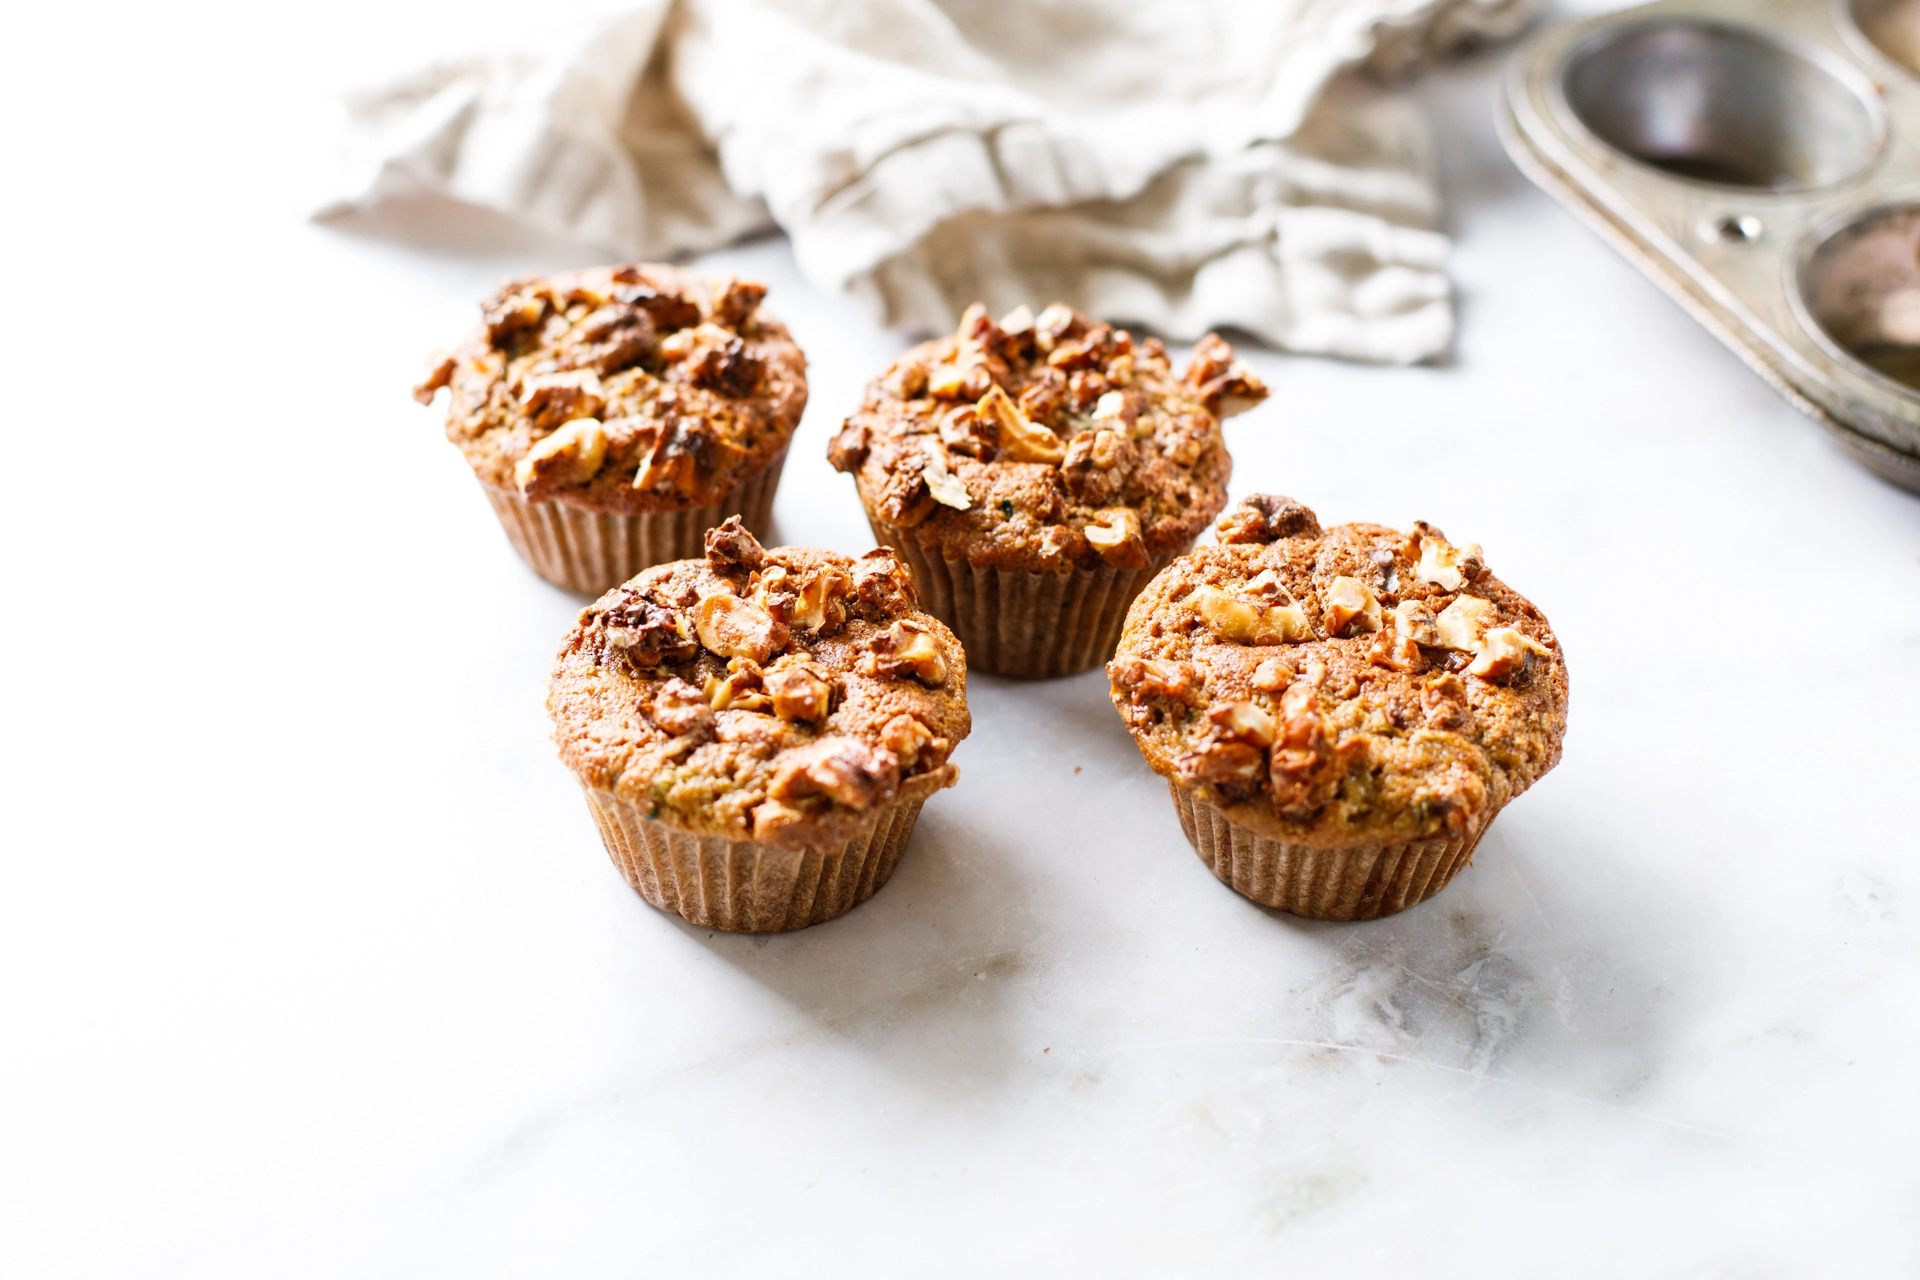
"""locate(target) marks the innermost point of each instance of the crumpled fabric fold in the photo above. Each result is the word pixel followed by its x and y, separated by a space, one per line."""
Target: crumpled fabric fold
pixel 1179 164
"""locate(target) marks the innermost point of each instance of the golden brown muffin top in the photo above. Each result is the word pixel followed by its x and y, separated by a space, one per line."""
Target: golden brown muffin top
pixel 1343 686
pixel 780 694
pixel 1047 442
pixel 622 389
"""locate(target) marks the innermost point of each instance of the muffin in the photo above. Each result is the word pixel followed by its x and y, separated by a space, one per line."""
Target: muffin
pixel 756 730
pixel 614 415
pixel 1036 473
pixel 1339 713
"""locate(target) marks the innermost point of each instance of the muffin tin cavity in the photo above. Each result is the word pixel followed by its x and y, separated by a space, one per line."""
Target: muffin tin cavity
pixel 1892 27
pixel 1724 105
pixel 1759 160
pixel 1859 282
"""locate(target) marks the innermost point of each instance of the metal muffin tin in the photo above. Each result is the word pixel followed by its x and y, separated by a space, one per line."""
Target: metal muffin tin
pixel 1760 159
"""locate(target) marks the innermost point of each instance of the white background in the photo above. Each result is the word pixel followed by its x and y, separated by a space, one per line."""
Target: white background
pixel 311 963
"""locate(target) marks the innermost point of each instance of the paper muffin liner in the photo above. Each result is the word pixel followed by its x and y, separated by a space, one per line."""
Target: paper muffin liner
pixel 589 551
pixel 1362 883
pixel 1018 622
pixel 747 886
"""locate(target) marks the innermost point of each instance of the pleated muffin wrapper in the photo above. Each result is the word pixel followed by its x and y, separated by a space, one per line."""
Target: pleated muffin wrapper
pixel 1031 625
pixel 590 551
pixel 1360 883
pixel 748 886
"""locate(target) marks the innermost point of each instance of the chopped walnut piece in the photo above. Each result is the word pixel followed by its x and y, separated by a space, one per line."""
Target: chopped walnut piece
pixel 881 583
pixel 848 449
pixel 847 772
pixel 646 632
pixel 1349 606
pixel 1150 678
pixel 1503 654
pixel 570 456
pixel 799 689
pixel 1225 383
pixel 1443 702
pixel 1053 324
pixel 1414 620
pixel 1462 623
pixel 815 603
pixel 1223 762
pixel 735 300
pixel 731 548
pixel 1245 722
pixel 1017 438
pixel 907 648
pixel 1116 536
pixel 1273 675
pixel 1017 321
pixel 1395 652
pixel 946 381
pixel 1444 565
pixel 733 628
pixel 946 487
pixel 1302 740
pixel 549 399
pixel 906 737
pixel 1266 517
pixel 1246 623
pixel 680 709
pixel 439 374
pixel 740 690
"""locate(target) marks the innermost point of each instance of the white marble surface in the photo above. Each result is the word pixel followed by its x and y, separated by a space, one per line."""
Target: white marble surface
pixel 311 963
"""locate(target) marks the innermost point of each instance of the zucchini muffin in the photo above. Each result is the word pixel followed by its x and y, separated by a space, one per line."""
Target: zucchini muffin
pixel 1339 713
pixel 614 415
pixel 756 730
pixel 1037 472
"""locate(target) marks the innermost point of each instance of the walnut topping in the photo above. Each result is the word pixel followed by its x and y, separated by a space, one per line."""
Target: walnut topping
pixel 572 455
pixel 680 709
pixel 1266 517
pixel 1053 324
pixel 1443 702
pixel 1273 675
pixel 1017 322
pixel 845 771
pixel 1014 435
pixel 907 648
pixel 740 690
pixel 733 628
pixel 1225 384
pixel 439 374
pixel 945 486
pixel 646 632
pixel 732 548
pixel 1244 722
pixel 1247 623
pixel 1116 536
pixel 1503 654
pixel 1150 678
pixel 1413 620
pixel 1223 763
pixel 735 300
pixel 1444 565
pixel 815 603
pixel 549 399
pixel 1349 606
pixel 881 583
pixel 1462 623
pixel 799 689
pixel 946 381
pixel 1395 652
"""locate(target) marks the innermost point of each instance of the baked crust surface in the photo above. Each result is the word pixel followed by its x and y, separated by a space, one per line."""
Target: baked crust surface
pixel 1329 686
pixel 779 694
pixel 622 389
pixel 1047 442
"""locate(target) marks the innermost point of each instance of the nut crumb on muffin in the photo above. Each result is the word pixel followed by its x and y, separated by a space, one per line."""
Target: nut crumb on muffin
pixel 624 389
pixel 1047 442
pixel 784 695
pixel 1353 686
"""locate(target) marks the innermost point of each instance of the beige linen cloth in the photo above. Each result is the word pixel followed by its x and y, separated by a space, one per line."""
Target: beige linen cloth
pixel 1180 164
